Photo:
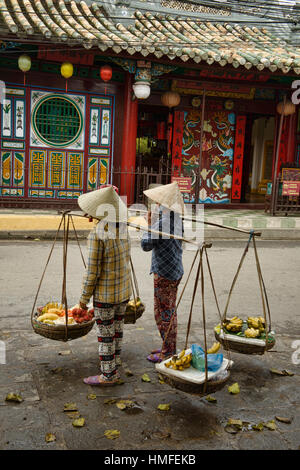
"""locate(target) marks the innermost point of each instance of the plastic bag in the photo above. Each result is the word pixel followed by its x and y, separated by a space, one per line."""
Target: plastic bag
pixel 214 361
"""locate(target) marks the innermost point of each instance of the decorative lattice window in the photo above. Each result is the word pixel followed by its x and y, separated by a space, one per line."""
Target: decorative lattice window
pixel 57 121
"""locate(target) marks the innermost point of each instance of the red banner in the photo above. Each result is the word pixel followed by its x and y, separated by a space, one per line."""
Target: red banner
pixel 177 142
pixel 237 171
pixel 75 57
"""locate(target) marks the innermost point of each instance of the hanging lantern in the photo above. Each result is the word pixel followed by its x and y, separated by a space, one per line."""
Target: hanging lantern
pixel 170 99
pixel 105 74
pixel 141 90
pixel 67 70
pixel 287 108
pixel 24 63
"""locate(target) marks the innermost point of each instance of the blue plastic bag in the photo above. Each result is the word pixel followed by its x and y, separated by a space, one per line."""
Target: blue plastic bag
pixel 214 361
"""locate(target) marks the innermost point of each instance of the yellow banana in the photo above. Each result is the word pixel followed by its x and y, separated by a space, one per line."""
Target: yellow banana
pixel 214 349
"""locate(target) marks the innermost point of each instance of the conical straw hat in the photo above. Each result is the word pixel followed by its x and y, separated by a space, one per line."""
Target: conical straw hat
pixel 168 195
pixel 102 203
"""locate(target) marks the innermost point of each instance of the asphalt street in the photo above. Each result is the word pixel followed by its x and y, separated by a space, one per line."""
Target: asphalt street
pixel 49 374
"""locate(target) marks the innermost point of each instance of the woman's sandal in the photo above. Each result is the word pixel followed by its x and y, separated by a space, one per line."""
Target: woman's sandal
pixel 156 351
pixel 99 380
pixel 154 357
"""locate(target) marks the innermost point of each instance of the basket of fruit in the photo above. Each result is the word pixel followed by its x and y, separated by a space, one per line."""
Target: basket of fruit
pixel 180 372
pixel 134 310
pixel 50 321
pixel 246 337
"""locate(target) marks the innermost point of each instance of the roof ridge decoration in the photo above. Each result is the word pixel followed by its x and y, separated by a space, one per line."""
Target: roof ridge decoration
pixel 150 33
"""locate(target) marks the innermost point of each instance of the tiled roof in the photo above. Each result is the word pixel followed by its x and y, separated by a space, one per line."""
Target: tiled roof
pixel 79 22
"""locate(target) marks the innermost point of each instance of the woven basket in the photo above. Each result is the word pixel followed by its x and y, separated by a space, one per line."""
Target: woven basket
pixel 131 316
pixel 243 348
pixel 211 386
pixel 58 332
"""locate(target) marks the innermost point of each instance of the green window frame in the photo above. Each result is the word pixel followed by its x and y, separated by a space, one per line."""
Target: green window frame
pixel 57 121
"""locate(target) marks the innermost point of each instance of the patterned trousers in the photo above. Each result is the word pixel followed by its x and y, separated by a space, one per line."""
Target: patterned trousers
pixel 165 292
pixel 109 321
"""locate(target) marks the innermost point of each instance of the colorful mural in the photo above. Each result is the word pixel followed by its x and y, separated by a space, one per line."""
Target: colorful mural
pixel 215 171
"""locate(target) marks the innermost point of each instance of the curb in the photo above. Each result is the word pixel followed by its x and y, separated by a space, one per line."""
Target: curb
pixel 209 234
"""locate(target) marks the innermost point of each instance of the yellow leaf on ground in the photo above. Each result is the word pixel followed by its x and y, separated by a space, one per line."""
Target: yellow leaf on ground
pixel 123 404
pixel 79 422
pixel 146 378
pixel 164 407
pixel 234 388
pixel 112 434
pixel 92 396
pixel 15 397
pixel 50 437
pixel 70 407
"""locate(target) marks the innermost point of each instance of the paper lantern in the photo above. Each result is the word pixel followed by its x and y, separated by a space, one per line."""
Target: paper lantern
pixel 141 90
pixel 24 63
pixel 170 99
pixel 67 70
pixel 287 108
pixel 105 74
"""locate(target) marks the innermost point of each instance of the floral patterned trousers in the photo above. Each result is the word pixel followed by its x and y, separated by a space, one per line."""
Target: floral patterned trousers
pixel 109 321
pixel 165 293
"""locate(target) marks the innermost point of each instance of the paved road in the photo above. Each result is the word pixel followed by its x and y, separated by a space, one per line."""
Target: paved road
pixel 47 379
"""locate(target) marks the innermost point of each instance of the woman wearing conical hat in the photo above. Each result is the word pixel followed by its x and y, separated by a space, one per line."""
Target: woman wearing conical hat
pixel 166 263
pixel 107 277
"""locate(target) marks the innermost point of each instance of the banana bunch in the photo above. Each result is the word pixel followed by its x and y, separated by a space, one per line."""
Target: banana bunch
pixel 53 307
pixel 258 323
pixel 214 349
pixel 48 318
pixel 234 324
pixel 180 362
pixel 252 333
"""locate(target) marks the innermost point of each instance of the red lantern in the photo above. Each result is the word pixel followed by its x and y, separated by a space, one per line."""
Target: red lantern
pixel 106 74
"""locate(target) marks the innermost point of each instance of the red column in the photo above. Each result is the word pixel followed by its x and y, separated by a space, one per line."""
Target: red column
pixel 129 142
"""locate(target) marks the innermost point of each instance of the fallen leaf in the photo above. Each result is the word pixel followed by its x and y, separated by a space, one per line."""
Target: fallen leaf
pixel 73 414
pixel 50 437
pixel 284 420
pixel 258 427
pixel 164 407
pixel 112 434
pixel 70 407
pixel 64 353
pixel 146 378
pixel 110 401
pixel 234 388
pixel 123 404
pixel 235 422
pixel 287 372
pixel 161 435
pixel 281 372
pixel 271 425
pixel 91 396
pixel 128 373
pixel 15 397
pixel 211 399
pixel 56 370
pixel 162 382
pixel 78 423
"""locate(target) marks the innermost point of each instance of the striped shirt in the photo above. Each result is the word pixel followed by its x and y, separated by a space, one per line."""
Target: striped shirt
pixel 107 276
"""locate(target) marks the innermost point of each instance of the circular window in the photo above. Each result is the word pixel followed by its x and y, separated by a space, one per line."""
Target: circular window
pixel 57 121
